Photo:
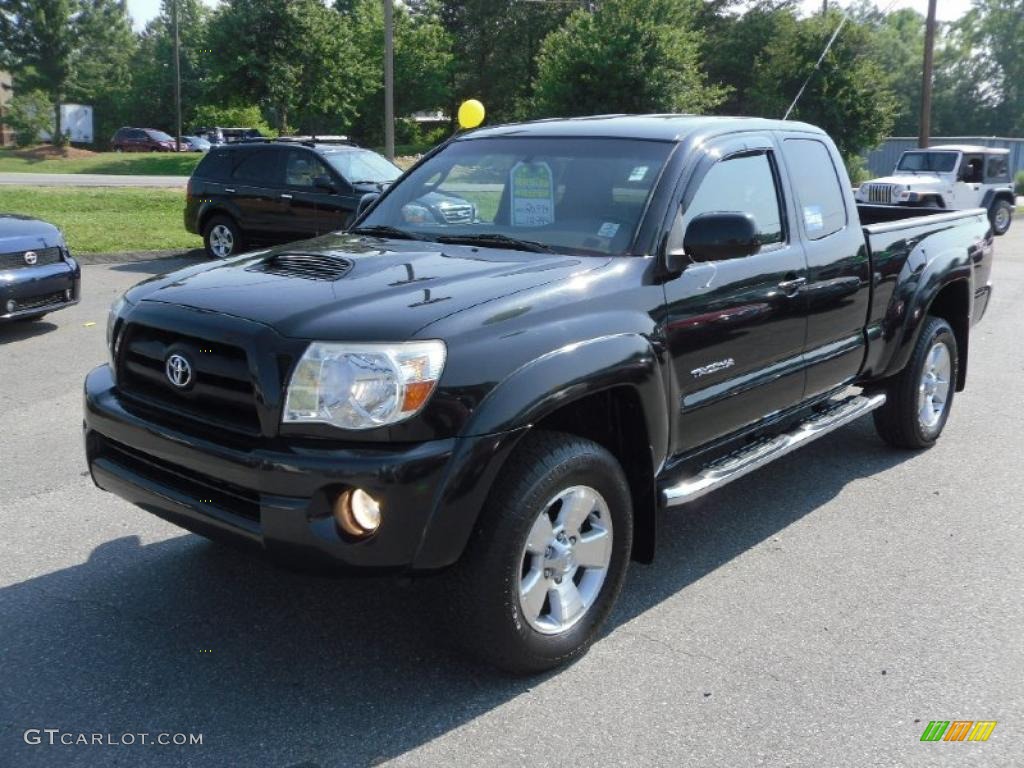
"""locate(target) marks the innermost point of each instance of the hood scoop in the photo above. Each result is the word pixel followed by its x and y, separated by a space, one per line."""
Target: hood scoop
pixel 309 266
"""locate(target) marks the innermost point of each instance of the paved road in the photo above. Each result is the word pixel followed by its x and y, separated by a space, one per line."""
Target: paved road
pixel 818 613
pixel 90 180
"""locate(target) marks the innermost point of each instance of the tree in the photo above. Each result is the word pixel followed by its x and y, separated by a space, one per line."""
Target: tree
pixel 101 64
pixel 294 57
pixel 496 45
pixel 28 114
pixel 732 42
pixel 423 63
pixel 994 30
pixel 849 96
pixel 627 56
pixel 39 38
pixel 152 89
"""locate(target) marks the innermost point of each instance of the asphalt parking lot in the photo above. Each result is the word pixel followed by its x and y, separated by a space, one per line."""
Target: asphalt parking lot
pixel 817 613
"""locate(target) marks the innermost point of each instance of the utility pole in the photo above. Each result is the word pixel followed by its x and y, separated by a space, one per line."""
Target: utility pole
pixel 926 78
pixel 389 79
pixel 177 80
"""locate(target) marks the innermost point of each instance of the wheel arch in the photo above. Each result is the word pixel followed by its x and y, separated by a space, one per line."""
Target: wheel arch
pixel 614 394
pixel 953 304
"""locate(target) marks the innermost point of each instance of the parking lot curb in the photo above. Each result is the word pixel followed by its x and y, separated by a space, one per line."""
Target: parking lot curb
pixel 121 258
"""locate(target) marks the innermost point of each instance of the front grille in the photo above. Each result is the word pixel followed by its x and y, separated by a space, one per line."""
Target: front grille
pixel 457 213
pixel 44 256
pixel 38 302
pixel 880 193
pixel 311 266
pixel 202 489
pixel 220 393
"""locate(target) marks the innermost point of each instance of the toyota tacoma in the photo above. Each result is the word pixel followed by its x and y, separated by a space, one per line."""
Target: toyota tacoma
pixel 641 310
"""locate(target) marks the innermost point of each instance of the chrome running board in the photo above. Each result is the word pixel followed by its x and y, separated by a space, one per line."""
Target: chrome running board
pixel 743 462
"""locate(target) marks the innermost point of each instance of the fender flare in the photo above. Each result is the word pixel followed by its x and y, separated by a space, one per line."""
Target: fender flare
pixel 931 283
pixel 996 194
pixel 522 399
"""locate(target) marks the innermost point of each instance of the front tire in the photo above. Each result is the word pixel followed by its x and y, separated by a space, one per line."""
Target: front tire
pixel 1001 215
pixel 547 559
pixel 919 399
pixel 222 237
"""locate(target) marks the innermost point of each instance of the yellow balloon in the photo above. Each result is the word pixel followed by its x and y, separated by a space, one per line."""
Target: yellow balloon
pixel 471 114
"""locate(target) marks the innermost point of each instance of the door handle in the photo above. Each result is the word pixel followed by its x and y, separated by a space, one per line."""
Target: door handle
pixel 792 286
pixel 230 190
pixel 286 197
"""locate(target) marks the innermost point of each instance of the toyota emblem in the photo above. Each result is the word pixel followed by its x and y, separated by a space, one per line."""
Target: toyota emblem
pixel 178 370
pixel 31 257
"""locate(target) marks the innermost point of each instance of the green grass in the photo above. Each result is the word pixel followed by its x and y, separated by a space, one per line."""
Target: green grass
pixel 134 164
pixel 105 220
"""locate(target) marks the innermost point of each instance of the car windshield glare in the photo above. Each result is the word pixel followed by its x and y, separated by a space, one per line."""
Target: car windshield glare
pixel 937 162
pixel 568 195
pixel 356 165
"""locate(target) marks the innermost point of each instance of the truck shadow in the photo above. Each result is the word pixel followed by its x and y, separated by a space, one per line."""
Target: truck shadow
pixel 282 669
pixel 21 330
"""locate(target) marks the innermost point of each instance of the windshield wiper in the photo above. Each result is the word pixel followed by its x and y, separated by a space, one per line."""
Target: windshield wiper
pixel 498 241
pixel 383 230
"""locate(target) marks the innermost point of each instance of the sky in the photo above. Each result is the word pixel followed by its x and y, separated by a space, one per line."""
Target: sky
pixel 948 10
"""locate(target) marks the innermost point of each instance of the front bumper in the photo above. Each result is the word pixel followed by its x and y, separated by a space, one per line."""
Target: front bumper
pixel 39 290
pixel 275 496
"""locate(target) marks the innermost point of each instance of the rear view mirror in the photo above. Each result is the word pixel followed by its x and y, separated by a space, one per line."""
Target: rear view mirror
pixel 718 236
pixel 365 202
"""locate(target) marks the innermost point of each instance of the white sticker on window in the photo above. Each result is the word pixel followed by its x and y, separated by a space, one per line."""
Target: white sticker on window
pixel 608 229
pixel 638 173
pixel 814 220
pixel 533 195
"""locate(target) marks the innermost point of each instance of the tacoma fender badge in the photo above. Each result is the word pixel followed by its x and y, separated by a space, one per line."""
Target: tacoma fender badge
pixel 715 367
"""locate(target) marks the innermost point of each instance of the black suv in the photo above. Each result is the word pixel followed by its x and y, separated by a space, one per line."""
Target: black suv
pixel 277 191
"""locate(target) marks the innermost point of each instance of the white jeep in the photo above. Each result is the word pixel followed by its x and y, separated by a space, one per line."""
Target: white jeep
pixel 951 176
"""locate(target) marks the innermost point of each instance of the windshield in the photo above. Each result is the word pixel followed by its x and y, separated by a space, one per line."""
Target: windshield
pixel 938 162
pixel 160 136
pixel 357 165
pixel 569 195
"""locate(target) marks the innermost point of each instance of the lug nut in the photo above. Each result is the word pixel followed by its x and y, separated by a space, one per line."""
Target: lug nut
pixel 558 579
pixel 547 573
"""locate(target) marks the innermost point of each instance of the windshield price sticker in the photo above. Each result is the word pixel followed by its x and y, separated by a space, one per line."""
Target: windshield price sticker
pixel 533 195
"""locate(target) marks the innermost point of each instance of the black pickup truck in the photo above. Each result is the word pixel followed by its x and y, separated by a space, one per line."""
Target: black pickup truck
pixel 641 310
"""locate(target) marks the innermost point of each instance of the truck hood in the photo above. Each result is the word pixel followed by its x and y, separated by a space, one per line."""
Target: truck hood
pixel 911 180
pixel 21 233
pixel 388 289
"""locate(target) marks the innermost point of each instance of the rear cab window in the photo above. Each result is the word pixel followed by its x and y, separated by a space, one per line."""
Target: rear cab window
pixel 817 186
pixel 997 169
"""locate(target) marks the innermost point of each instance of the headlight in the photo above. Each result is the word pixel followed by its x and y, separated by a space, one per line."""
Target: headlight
pixel 116 310
pixel 362 386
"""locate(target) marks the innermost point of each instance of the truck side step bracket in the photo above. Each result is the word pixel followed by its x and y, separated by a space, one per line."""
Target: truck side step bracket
pixel 743 462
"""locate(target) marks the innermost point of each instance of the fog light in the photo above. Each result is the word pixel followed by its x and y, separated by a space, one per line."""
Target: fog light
pixel 357 513
pixel 12 305
pixel 67 294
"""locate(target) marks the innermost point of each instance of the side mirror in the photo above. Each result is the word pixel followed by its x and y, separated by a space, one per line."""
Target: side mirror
pixel 365 202
pixel 325 182
pixel 716 237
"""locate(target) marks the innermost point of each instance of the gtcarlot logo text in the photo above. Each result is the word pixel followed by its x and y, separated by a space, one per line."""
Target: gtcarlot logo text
pixel 57 737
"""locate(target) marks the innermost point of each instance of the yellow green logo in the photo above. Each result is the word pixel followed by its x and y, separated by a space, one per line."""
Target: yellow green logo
pixel 958 730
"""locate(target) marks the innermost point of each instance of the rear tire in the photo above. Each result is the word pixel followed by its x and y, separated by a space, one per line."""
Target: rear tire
pixel 1001 216
pixel 919 399
pixel 545 564
pixel 222 237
